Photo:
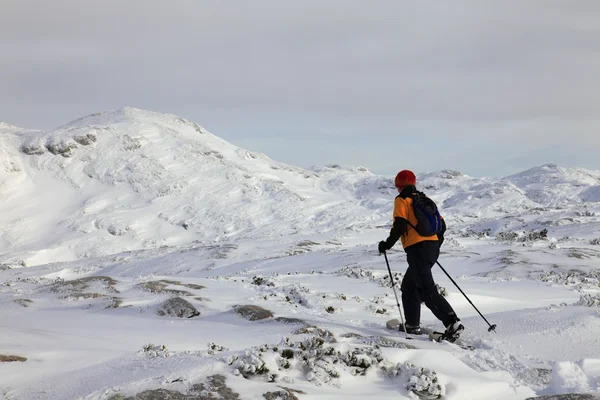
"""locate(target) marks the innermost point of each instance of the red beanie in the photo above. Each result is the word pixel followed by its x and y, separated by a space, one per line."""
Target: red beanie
pixel 405 178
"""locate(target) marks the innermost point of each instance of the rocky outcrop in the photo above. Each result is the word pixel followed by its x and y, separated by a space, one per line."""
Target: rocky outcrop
pixel 253 313
pixel 178 307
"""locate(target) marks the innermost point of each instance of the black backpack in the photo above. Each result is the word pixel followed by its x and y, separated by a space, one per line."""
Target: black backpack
pixel 429 220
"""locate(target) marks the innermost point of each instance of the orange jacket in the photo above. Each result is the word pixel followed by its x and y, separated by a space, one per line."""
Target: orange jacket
pixel 403 209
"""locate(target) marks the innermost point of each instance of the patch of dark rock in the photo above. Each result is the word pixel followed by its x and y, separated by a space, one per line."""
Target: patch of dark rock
pixel 252 312
pixel 4 358
pixel 85 140
pixel 115 302
pixel 130 144
pixel 380 341
pixel 87 295
pixel 117 231
pixel 287 353
pixel 64 149
pixel 260 281
pixel 77 288
pixel 33 150
pixel 161 287
pixel 213 153
pixel 83 283
pixel 177 307
pixel 576 254
pixel 285 394
pixel 192 286
pixel 307 243
pixel 319 332
pixel 351 335
pixel 214 385
pixel 291 321
pixel 220 251
pixel 177 283
pixel 23 302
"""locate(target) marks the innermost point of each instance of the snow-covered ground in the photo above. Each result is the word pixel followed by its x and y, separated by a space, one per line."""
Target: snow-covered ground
pixel 105 219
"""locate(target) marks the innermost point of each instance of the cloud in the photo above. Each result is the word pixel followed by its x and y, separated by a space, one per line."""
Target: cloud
pixel 473 74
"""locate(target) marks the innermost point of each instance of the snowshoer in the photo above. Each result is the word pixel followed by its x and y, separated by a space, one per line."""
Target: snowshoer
pixel 422 253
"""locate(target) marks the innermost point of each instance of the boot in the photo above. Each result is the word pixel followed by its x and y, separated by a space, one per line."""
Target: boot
pixel 453 331
pixel 411 329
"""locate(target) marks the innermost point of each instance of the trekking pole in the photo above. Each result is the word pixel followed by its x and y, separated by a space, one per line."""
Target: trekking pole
pixel 492 327
pixel 396 294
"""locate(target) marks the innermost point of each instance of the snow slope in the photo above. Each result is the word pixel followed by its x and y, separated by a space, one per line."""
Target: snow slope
pixel 133 179
pixel 117 212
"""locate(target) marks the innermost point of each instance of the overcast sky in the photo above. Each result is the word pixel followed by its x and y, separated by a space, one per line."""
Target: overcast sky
pixel 484 87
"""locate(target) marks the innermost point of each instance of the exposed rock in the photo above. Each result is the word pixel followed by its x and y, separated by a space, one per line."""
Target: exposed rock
pixel 81 288
pixel 214 348
pixel 4 358
pixel 260 281
pixel 161 287
pixel 351 335
pixel 292 321
pixel 153 351
pixel 178 307
pixel 114 302
pixel 307 243
pixel 33 150
pixel 117 231
pixel 192 286
pixel 320 362
pixel 589 300
pixel 423 382
pixel 64 148
pixel 23 302
pixel 157 394
pixel 87 295
pixel 85 140
pixel 130 144
pixel 324 334
pixel 253 313
pixel 382 341
pixel 215 385
pixel 83 283
pixel 285 394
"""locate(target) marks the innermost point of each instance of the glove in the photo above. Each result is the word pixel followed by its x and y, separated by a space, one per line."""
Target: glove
pixel 383 247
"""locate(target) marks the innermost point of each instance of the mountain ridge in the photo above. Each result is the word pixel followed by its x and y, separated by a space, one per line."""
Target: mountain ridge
pixel 132 179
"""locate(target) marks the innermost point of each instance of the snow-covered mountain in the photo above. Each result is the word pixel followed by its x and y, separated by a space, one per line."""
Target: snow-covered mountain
pixel 132 179
pixel 165 262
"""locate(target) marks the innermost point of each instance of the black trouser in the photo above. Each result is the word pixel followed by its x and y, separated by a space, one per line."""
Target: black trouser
pixel 418 285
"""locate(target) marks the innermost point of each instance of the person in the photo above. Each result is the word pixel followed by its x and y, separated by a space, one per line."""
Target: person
pixel 422 253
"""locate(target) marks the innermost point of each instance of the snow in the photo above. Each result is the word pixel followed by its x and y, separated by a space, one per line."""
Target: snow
pixel 104 219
